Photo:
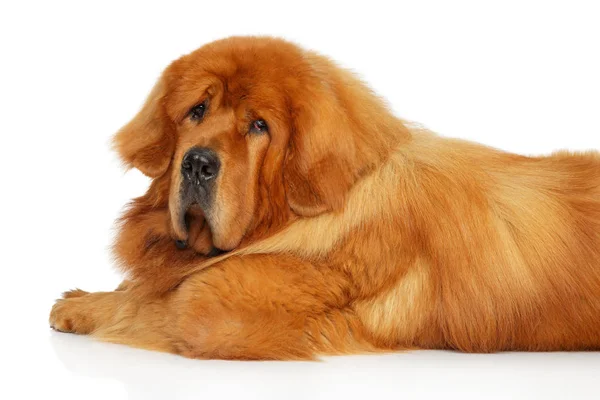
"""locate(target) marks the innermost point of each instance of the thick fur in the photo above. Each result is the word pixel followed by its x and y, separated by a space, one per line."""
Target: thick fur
pixel 348 229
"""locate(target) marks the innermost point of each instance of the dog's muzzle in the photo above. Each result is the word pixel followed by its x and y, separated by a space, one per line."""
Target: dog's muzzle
pixel 199 171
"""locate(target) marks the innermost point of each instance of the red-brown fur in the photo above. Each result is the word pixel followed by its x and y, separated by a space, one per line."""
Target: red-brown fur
pixel 348 229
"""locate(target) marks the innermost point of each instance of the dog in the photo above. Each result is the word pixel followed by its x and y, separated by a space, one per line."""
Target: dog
pixel 291 215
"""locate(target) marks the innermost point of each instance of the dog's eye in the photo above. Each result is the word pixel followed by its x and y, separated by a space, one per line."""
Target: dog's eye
pixel 259 126
pixel 197 112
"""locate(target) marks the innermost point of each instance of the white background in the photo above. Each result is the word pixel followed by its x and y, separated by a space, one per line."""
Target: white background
pixel 522 76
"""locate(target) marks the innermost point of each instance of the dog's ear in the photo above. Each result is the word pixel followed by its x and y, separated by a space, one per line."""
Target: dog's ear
pixel 340 132
pixel 147 142
pixel 320 165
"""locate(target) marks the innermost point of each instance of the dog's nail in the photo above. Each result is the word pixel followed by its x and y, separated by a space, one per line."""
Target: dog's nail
pixel 181 244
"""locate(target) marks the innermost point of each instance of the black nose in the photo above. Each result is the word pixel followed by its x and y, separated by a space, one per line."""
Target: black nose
pixel 200 165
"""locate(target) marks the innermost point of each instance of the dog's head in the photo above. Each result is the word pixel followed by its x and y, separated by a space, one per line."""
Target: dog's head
pixel 254 132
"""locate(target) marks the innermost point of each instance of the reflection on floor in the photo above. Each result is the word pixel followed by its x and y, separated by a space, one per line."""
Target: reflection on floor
pixel 427 374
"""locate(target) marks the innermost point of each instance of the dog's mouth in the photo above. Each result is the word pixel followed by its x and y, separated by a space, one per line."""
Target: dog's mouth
pixel 199 235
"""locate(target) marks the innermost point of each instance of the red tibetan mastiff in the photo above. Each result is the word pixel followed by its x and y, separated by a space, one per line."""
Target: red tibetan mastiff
pixel 291 215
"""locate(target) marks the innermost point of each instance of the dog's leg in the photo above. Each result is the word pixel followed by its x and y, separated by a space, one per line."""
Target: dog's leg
pixel 267 307
pixel 256 307
pixel 119 316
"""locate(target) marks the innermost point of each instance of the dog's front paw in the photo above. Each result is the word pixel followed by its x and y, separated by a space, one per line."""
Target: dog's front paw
pixel 69 315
